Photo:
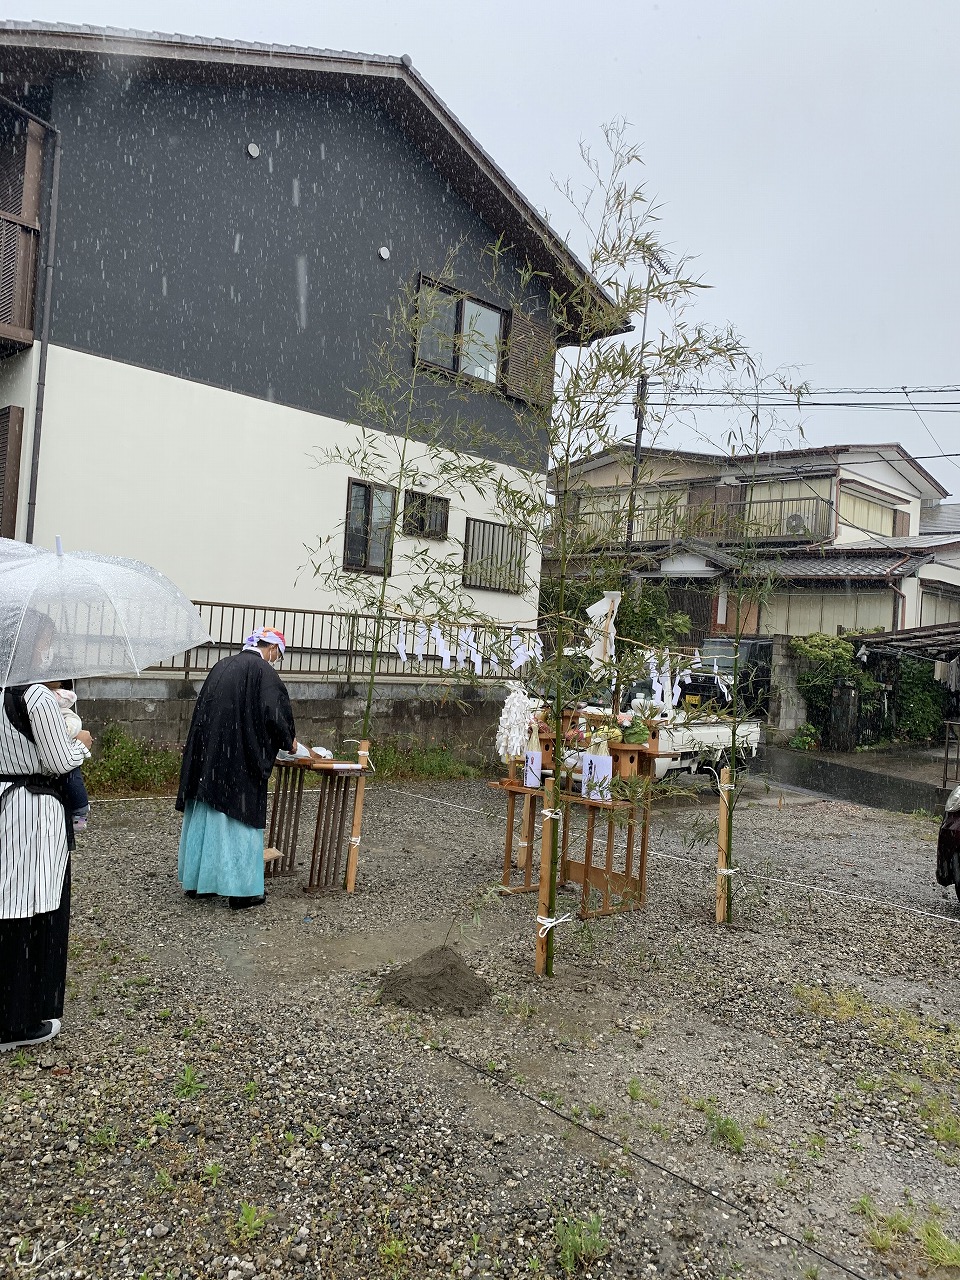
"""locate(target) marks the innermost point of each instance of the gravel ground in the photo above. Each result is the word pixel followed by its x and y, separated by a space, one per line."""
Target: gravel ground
pixel 228 1097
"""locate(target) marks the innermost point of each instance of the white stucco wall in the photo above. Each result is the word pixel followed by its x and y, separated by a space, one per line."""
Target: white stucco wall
pixel 220 491
pixel 939 605
pixel 945 568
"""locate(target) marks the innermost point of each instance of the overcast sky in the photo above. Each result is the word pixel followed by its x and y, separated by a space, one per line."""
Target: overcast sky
pixel 804 151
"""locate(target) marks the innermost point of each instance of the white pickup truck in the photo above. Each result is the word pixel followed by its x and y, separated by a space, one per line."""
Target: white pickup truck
pixel 702 745
pixel 697 739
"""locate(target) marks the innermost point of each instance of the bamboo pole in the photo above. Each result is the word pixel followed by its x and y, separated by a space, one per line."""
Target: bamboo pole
pixel 723 851
pixel 508 839
pixel 546 899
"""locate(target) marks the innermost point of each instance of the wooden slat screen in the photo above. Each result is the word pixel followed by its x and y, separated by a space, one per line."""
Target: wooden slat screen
pixel 530 361
pixel 21 153
pixel 11 437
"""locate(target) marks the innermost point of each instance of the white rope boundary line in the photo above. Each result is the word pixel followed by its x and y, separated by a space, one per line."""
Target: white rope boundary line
pixel 773 879
pixel 447 804
pixel 706 866
pixel 670 857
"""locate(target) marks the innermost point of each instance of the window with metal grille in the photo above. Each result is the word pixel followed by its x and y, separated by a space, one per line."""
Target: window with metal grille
pixel 369 528
pixel 494 557
pixel 425 515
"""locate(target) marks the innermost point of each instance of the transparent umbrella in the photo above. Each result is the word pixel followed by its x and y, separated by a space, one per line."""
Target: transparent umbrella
pixel 70 614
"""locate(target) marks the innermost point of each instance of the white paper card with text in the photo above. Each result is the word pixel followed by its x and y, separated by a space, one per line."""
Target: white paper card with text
pixel 597 776
pixel 532 768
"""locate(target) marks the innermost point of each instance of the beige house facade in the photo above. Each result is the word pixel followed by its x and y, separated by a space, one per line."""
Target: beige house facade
pixel 853 537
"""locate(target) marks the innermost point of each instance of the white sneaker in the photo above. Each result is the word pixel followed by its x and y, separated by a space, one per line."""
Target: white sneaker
pixel 50 1029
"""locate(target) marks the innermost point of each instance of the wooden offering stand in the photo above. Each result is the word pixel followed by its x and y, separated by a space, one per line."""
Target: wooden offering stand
pixel 617 879
pixel 334 854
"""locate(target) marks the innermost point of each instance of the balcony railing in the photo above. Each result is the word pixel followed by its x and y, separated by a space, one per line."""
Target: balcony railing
pixel 599 517
pixel 329 646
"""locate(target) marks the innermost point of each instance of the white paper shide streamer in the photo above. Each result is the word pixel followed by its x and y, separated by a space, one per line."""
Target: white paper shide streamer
pixel 602 634
pixel 513 731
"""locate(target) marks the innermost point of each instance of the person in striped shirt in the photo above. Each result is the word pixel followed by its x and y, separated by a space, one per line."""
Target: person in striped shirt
pixel 36 753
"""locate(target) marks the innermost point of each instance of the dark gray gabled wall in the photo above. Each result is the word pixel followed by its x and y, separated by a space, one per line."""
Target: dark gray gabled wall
pixel 179 252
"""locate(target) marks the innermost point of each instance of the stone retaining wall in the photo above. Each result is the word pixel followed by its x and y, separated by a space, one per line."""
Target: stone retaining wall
pixel 847 782
pixel 159 710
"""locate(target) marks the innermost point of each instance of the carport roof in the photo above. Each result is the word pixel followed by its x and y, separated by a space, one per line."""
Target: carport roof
pixel 937 643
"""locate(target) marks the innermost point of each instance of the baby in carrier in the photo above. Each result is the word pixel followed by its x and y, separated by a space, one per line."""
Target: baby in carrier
pixel 77 800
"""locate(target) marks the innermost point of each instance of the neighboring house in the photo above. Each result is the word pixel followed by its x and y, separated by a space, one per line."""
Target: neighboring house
pixel 850 537
pixel 233 222
pixel 944 518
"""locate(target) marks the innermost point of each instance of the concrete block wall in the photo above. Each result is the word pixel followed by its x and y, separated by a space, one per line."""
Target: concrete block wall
pixel 159 710
pixel 788 710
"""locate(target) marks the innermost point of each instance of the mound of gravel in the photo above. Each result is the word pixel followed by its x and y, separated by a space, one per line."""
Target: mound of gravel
pixel 437 980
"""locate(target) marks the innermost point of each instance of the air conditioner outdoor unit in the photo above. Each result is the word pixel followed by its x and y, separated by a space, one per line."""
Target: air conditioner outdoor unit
pixel 795 523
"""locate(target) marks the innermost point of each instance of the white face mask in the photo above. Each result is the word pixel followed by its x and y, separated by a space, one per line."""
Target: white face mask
pixel 45 658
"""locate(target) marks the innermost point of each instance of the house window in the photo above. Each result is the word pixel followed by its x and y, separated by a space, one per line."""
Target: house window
pixel 494 557
pixel 425 515
pixel 458 333
pixel 370 512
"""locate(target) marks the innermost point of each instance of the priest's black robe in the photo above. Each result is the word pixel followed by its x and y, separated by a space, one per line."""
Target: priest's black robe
pixel 242 719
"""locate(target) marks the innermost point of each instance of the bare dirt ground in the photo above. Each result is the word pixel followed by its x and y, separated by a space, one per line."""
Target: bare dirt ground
pixel 229 1098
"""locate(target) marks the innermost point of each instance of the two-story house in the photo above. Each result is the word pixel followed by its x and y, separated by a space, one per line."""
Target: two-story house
pixel 199 243
pixel 845 537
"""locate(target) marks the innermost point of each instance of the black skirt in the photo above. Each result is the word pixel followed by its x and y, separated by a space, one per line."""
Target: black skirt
pixel 33 962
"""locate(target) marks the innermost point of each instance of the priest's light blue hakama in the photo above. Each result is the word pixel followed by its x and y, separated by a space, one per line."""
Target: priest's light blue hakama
pixel 218 854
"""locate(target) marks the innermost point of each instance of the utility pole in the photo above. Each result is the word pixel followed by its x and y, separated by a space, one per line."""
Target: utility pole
pixel 639 409
pixel 654 261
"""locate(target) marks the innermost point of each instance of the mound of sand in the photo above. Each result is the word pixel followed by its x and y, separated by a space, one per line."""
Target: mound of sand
pixel 439 979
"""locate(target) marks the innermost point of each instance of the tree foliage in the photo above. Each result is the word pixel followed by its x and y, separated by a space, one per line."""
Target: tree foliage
pixel 919 701
pixel 825 662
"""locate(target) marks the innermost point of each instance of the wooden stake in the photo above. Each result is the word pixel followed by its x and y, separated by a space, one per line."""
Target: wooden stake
pixel 363 755
pixel 508 839
pixel 723 851
pixel 546 876
pixel 525 848
pixel 645 808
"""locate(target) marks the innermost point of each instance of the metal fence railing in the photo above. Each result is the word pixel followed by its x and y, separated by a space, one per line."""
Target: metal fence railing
pixel 601 516
pixel 323 645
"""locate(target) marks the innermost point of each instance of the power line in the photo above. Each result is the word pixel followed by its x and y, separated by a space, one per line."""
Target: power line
pixel 927 429
pixel 946 406
pixel 809 397
pixel 892 392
